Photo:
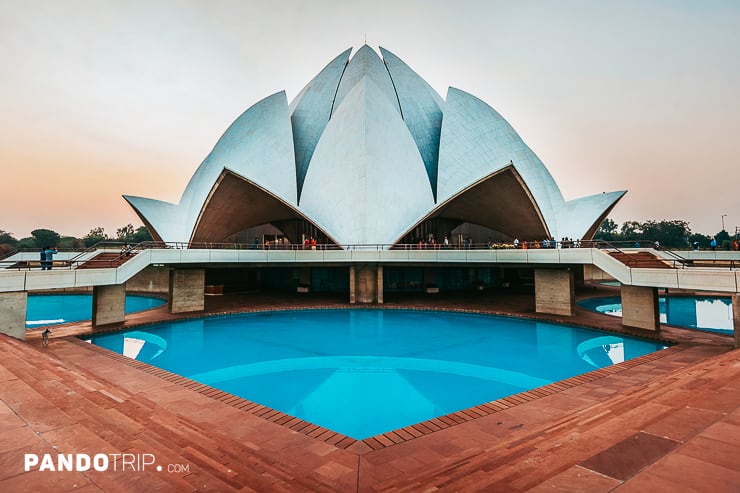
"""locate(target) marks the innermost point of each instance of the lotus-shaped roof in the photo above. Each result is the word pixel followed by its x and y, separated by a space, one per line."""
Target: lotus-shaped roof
pixel 367 153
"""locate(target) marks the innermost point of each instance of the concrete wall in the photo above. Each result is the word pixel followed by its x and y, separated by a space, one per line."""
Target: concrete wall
pixel 554 291
pixel 187 290
pixel 640 307
pixel 13 314
pixel 593 273
pixel 150 280
pixel 108 304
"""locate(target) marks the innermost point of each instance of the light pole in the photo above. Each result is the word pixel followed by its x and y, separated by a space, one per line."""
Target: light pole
pixel 723 221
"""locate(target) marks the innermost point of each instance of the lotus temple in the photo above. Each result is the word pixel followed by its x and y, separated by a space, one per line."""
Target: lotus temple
pixel 369 154
pixel 370 288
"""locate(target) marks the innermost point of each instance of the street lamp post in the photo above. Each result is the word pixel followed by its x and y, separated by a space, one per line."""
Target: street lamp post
pixel 723 221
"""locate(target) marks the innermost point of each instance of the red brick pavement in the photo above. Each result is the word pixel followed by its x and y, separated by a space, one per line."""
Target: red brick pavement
pixel 669 421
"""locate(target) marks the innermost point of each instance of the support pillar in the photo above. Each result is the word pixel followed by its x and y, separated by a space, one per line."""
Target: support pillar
pixel 187 290
pixel 365 283
pixel 304 280
pixel 554 291
pixel 579 276
pixel 108 304
pixel 736 318
pixel 13 314
pixel 352 276
pixel 380 284
pixel 640 307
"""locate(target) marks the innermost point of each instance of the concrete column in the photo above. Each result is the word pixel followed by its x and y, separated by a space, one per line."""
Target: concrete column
pixel 640 307
pixel 13 314
pixel 554 291
pixel 366 283
pixel 736 318
pixel 352 276
pixel 187 290
pixel 429 276
pixel 579 276
pixel 108 304
pixel 380 284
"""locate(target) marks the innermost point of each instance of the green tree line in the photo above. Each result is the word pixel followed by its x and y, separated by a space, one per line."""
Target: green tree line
pixel 670 234
pixel 46 237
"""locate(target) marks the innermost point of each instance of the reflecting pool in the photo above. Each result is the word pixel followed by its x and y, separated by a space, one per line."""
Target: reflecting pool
pixel 703 313
pixel 365 371
pixel 52 309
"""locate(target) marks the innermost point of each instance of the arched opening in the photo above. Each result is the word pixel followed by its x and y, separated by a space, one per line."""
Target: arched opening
pixel 497 208
pixel 238 210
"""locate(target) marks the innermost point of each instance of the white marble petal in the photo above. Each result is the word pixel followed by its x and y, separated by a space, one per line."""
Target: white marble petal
pixel 367 183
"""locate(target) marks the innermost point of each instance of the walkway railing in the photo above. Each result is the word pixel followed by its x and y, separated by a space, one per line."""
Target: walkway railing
pixel 112 254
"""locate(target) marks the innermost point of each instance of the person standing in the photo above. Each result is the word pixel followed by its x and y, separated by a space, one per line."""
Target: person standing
pixel 42 256
pixel 713 244
pixel 49 253
pixel 45 337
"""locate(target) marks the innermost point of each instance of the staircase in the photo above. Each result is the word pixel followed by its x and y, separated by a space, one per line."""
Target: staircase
pixel 105 260
pixel 640 260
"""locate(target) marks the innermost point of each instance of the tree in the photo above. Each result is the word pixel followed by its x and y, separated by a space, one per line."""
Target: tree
pixel 7 243
pixel 699 240
pixel 71 243
pixel 608 231
pixel 45 237
pixel 632 230
pixel 673 233
pixel 723 240
pixel 141 234
pixel 7 239
pixel 125 233
pixel 28 243
pixel 96 235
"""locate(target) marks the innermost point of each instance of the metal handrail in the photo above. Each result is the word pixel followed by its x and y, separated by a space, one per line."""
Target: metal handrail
pixel 676 258
pixel 78 260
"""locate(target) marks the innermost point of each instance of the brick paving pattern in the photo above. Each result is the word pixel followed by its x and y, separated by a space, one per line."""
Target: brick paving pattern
pixel 668 421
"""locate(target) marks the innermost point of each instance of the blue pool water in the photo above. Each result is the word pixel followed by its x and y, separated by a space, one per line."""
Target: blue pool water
pixel 365 372
pixel 702 313
pixel 51 309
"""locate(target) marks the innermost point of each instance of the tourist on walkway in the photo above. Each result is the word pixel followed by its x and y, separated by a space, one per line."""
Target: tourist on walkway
pixel 713 244
pixel 49 253
pixel 43 258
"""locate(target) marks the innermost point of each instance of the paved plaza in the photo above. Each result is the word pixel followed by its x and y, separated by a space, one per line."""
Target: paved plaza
pixel 668 421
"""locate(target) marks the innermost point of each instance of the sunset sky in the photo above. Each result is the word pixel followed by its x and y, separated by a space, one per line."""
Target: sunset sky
pixel 105 98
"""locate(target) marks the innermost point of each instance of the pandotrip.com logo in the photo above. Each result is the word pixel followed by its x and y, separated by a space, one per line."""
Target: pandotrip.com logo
pixel 98 462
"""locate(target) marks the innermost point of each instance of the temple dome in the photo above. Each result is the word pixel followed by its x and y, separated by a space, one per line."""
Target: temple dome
pixel 368 153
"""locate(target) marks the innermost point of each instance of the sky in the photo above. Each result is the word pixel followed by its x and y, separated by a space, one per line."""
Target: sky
pixel 104 98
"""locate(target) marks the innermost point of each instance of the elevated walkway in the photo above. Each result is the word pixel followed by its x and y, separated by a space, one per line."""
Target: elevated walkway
pixel 640 274
pixel 638 268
